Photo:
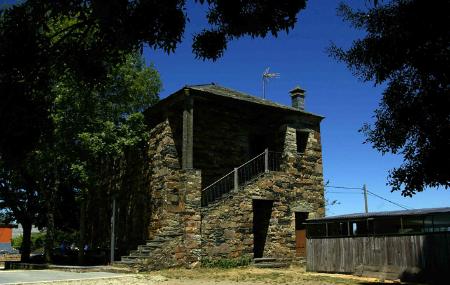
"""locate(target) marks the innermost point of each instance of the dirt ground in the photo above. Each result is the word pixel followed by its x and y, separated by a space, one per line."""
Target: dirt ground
pixel 236 276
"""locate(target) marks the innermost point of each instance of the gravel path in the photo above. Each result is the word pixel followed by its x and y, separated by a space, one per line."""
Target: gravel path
pixel 237 276
pixel 48 276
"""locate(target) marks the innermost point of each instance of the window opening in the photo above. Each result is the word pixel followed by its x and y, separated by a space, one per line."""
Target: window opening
pixel 441 222
pixel 302 141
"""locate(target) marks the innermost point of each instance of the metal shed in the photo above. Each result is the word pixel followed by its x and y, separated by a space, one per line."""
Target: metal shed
pixel 395 244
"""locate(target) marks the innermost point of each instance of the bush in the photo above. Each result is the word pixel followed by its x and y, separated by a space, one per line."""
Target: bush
pixel 16 242
pixel 226 263
pixel 37 241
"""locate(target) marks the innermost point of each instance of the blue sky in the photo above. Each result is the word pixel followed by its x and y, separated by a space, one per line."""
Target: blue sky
pixel 332 91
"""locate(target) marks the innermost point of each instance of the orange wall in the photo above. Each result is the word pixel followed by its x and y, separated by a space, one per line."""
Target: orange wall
pixel 5 235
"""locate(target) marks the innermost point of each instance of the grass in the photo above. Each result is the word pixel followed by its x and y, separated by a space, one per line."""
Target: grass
pixel 226 263
pixel 293 275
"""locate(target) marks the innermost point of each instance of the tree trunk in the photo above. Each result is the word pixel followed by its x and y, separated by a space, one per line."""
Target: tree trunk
pixel 50 237
pixel 50 233
pixel 82 238
pixel 25 248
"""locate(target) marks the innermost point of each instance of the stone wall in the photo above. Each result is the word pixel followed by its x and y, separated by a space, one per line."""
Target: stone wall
pixel 223 135
pixel 227 225
pixel 187 232
pixel 175 202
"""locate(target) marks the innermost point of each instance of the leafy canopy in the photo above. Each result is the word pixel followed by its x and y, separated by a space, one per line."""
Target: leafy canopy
pixel 93 128
pixel 96 124
pixel 88 37
pixel 406 47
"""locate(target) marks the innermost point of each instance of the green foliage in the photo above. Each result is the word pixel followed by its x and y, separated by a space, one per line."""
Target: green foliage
pixel 5 216
pixel 234 19
pixel 97 124
pixel 95 128
pixel 102 136
pixel 63 132
pixel 37 241
pixel 16 242
pixel 406 47
pixel 226 263
pixel 39 39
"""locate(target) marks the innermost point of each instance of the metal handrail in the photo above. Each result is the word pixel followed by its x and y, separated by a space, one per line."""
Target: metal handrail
pixel 245 163
pixel 218 180
pixel 241 175
pixel 232 171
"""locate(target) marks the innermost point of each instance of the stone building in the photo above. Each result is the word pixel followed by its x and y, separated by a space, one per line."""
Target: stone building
pixel 232 176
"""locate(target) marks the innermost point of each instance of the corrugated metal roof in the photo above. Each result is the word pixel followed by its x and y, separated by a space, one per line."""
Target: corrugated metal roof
pixel 384 214
pixel 230 93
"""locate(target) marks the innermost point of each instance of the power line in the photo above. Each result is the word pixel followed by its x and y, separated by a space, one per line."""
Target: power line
pixel 340 192
pixel 397 204
pixel 371 193
pixel 343 187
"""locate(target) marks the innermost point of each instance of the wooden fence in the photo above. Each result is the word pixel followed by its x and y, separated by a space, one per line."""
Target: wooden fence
pixel 9 257
pixel 398 255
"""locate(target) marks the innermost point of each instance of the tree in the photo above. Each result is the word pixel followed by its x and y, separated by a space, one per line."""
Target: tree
pixel 39 138
pixel 19 196
pixel 97 127
pixel 407 48
pixel 28 52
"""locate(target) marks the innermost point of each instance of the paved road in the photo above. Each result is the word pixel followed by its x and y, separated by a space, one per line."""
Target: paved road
pixel 31 276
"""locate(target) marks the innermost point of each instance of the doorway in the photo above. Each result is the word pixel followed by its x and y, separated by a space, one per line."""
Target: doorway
pixel 300 233
pixel 262 211
pixel 257 144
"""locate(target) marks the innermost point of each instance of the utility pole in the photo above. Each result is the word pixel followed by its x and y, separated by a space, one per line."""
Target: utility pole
pixel 113 223
pixel 365 198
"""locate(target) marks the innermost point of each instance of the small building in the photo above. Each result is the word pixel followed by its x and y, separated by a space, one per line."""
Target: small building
pixel 6 237
pixel 396 244
pixel 231 176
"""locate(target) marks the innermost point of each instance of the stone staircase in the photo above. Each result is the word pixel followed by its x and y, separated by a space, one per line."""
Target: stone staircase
pixel 270 262
pixel 153 255
pixel 152 250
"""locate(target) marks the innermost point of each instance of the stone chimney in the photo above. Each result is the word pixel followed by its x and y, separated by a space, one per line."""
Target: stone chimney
pixel 298 98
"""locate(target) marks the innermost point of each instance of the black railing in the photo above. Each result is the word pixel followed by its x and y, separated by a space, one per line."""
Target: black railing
pixel 264 162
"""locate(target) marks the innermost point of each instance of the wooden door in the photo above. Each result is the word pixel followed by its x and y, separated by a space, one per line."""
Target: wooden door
pixel 300 233
pixel 300 243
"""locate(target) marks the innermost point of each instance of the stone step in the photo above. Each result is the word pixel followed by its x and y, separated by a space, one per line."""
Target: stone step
pixel 161 238
pixel 121 267
pixel 138 252
pixel 271 265
pixel 152 244
pixel 145 248
pixel 133 256
pixel 157 239
pixel 264 259
pixel 124 261
pixel 170 234
pixel 132 259
pixel 144 251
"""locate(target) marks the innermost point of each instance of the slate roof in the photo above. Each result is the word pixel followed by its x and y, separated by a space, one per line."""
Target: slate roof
pixel 218 90
pixel 383 214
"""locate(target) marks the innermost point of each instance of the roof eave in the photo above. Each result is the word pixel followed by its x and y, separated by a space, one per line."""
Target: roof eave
pixel 274 105
pixel 177 95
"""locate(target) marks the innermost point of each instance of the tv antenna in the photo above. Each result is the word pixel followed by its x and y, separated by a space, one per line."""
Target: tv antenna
pixel 265 78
